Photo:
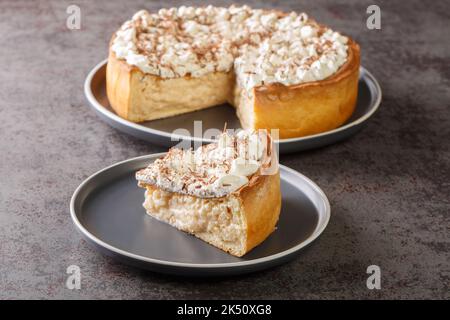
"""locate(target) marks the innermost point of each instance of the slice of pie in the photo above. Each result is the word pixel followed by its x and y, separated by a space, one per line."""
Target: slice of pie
pixel 279 70
pixel 226 193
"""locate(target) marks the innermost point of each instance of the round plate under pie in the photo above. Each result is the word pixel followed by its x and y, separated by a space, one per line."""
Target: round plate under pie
pixel 160 131
pixel 107 209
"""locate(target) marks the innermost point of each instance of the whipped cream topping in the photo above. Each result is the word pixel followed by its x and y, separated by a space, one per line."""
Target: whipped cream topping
pixel 213 170
pixel 261 46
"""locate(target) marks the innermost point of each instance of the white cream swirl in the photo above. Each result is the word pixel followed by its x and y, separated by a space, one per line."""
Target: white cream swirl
pixel 213 170
pixel 261 46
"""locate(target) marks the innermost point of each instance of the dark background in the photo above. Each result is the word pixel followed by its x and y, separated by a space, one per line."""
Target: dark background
pixel 389 185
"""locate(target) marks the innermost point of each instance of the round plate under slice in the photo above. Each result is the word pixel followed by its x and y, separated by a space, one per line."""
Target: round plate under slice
pixel 107 209
pixel 161 131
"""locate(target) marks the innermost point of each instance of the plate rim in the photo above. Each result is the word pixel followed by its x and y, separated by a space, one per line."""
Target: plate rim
pixel 320 227
pixel 176 137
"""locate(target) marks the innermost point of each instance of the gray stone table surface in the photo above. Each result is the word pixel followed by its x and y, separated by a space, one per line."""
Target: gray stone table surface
pixel 389 186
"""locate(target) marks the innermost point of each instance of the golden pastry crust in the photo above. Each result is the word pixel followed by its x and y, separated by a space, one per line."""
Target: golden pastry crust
pixel 138 97
pixel 312 107
pixel 261 201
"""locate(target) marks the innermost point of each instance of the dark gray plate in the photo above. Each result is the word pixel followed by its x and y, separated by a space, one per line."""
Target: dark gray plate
pixel 107 209
pixel 160 131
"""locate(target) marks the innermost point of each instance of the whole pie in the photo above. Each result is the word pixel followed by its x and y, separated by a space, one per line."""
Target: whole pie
pixel 279 70
pixel 226 193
